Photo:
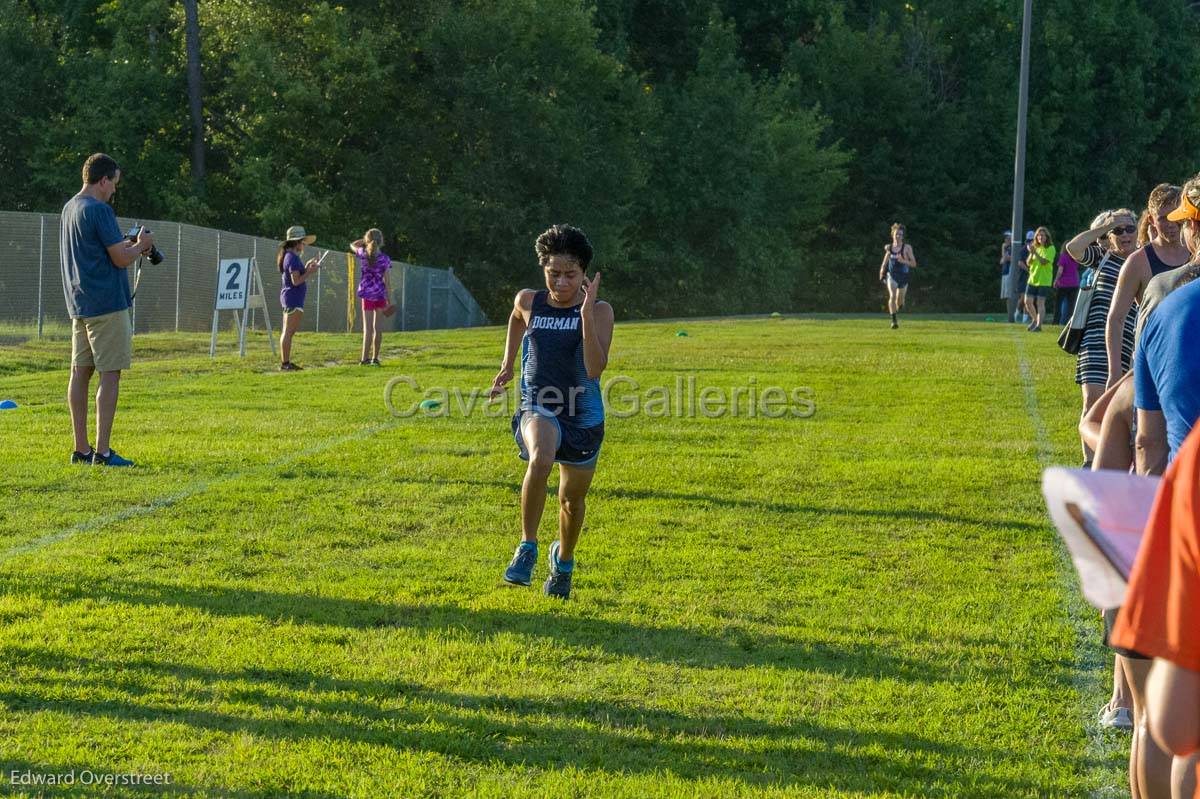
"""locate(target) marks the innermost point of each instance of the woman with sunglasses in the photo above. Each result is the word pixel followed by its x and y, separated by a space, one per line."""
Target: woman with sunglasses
pixel 1162 253
pixel 1103 247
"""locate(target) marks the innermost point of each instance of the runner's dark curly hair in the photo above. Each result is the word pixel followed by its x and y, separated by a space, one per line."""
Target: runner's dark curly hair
pixel 564 240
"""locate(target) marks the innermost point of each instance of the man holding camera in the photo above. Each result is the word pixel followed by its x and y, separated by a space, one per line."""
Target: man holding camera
pixel 95 255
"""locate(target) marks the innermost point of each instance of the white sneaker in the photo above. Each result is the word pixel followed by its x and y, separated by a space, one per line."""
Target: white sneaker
pixel 1116 718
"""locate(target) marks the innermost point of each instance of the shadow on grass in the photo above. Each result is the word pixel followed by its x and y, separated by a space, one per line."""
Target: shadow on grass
pixel 636 494
pixel 815 510
pixel 608 736
pixel 602 492
pixel 733 647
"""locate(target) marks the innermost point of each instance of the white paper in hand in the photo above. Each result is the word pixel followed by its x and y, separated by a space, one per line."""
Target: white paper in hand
pixel 1101 516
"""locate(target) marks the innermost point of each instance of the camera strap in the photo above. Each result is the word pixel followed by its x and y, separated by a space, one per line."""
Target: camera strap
pixel 137 278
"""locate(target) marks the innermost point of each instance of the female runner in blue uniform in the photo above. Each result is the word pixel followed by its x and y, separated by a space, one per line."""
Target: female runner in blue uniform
pixel 897 261
pixel 564 332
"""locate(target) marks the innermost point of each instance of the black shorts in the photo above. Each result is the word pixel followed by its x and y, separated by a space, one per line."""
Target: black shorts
pixel 1110 618
pixel 577 446
pixel 1037 291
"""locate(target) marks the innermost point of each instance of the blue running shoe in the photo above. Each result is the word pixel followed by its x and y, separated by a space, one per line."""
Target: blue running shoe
pixel 111 459
pixel 558 584
pixel 520 570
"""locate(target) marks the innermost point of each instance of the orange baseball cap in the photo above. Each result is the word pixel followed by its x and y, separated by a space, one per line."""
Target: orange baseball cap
pixel 1186 210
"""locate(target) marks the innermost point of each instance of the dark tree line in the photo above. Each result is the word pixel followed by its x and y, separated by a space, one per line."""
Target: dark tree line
pixel 725 157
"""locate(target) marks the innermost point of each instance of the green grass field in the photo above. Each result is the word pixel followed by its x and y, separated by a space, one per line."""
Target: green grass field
pixel 296 593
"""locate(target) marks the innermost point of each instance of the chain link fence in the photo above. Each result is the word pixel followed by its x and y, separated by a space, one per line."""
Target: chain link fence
pixel 179 293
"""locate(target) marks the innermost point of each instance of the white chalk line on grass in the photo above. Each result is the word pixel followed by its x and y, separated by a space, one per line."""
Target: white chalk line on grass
pixel 1088 655
pixel 195 489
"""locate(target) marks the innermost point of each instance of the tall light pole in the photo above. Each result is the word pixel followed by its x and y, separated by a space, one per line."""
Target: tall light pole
pixel 1018 239
pixel 195 88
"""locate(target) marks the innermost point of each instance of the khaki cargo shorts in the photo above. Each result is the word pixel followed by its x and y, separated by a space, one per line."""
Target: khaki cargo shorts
pixel 103 343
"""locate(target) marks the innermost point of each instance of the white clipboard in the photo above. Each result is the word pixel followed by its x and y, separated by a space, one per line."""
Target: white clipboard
pixel 1101 516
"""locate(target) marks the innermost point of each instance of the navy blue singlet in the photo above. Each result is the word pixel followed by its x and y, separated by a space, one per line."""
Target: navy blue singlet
pixel 553 375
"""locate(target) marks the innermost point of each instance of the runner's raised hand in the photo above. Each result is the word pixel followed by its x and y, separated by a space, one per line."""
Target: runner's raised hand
pixel 591 289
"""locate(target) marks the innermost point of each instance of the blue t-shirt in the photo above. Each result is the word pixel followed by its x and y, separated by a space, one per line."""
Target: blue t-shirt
pixel 1166 371
pixel 92 284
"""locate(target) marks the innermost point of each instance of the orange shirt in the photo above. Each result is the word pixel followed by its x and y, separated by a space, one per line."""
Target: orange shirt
pixel 1161 614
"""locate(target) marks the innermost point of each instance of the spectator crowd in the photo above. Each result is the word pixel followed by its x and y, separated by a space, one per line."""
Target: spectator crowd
pixel 1138 368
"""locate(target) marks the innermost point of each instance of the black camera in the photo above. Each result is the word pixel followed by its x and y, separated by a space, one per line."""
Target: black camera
pixel 153 254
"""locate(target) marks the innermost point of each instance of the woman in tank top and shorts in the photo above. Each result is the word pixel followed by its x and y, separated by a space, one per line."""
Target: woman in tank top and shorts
pixel 564 332
pixel 897 262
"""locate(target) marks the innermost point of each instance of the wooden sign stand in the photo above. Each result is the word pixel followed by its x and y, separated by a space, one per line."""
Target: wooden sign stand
pixel 249 300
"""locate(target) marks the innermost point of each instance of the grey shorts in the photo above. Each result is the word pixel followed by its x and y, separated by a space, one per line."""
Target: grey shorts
pixel 577 446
